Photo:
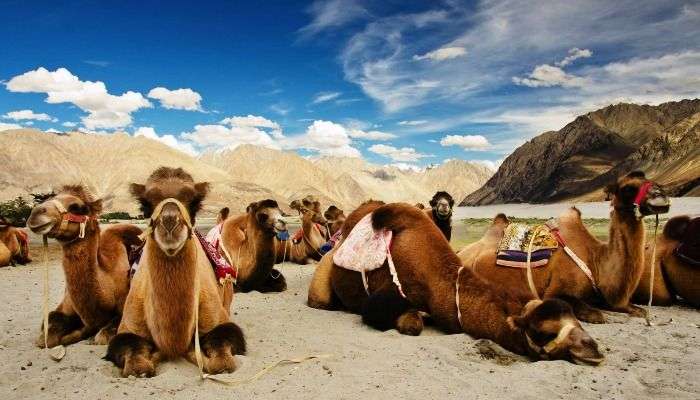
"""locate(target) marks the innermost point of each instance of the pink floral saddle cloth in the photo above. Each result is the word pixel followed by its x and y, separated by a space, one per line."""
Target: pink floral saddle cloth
pixel 365 249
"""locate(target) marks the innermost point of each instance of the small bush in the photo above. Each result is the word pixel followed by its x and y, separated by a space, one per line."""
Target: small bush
pixel 16 211
pixel 115 215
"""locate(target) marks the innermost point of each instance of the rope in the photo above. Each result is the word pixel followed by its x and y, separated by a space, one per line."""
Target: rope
pixel 651 272
pixel 58 352
pixel 459 313
pixel 530 279
pixel 265 370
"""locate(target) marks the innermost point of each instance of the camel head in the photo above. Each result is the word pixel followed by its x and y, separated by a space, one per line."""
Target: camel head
pixel 553 332
pixel 171 199
pixel 442 204
pixel 634 193
pixel 67 215
pixel 268 216
pixel 311 203
pixel 334 214
pixel 309 209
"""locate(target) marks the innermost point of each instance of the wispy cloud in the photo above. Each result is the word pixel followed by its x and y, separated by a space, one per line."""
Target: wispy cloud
pixel 442 54
pixel 323 97
pixel 97 63
pixel 326 14
pixel 403 154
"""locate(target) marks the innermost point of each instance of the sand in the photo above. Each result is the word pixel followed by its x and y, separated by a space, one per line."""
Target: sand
pixel 641 361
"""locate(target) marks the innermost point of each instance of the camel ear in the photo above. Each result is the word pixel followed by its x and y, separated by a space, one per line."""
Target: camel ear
pixel 96 207
pixel 201 189
pixel 252 207
pixel 637 174
pixel 610 191
pixel 137 191
pixel 516 323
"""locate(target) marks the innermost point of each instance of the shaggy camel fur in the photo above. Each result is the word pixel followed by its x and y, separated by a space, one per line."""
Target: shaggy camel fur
pixel 428 270
pixel 13 245
pixel 616 266
pixel 441 212
pixel 249 240
pixel 174 275
pixel 307 249
pixel 672 276
pixel 335 217
pixel 96 266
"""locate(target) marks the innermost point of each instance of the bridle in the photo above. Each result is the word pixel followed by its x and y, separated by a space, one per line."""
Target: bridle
pixel 159 209
pixel 547 349
pixel 68 218
pixel 642 194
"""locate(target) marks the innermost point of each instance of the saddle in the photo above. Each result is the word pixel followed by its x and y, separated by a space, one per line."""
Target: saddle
pixel 365 249
pixel 689 248
pixel 519 239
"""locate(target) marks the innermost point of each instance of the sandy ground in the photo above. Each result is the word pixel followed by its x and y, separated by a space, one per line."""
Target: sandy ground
pixel 641 361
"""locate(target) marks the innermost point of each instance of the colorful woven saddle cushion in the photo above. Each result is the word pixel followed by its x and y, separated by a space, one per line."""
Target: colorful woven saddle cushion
pixel 364 249
pixel 689 248
pixel 513 248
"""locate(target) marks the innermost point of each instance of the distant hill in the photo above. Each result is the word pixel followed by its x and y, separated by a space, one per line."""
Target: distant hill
pixel 34 161
pixel 576 162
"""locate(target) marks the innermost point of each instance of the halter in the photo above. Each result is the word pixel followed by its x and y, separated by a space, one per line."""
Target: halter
pixel 159 209
pixel 641 195
pixel 69 217
pixel 545 350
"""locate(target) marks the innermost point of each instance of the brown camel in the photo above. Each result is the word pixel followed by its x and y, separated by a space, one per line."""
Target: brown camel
pixel 440 212
pixel 335 217
pixel 433 282
pixel 248 241
pixel 304 246
pixel 95 265
pixel 673 276
pixel 14 245
pixel 616 266
pixel 174 293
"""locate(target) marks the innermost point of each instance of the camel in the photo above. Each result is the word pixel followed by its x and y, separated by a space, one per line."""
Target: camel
pixel 248 241
pixel 95 265
pixel 335 217
pixel 175 294
pixel 304 246
pixel 673 276
pixel 440 212
pixel 615 267
pixel 457 299
pixel 14 245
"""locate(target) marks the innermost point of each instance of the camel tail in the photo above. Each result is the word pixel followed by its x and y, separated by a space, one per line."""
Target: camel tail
pixel 675 227
pixel 395 216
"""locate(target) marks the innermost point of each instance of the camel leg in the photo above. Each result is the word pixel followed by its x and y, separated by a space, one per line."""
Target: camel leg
pixel 63 329
pixel 584 311
pixel 133 355
pixel 386 309
pixel 321 289
pixel 219 347
pixel 108 331
pixel 274 282
pixel 632 310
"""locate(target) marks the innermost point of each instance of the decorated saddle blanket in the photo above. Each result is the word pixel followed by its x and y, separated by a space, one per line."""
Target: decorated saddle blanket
pixel 514 246
pixel 214 235
pixel 221 267
pixel 23 240
pixel 689 248
pixel 365 249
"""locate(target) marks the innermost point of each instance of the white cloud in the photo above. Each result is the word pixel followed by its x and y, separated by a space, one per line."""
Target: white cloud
pixel 178 99
pixel 52 130
pixel 492 165
pixel 407 167
pixel 28 115
pixel 404 154
pixel 370 135
pixel 217 137
pixel 467 142
pixel 574 54
pixel 548 75
pixel 332 14
pixel 444 53
pixel 413 122
pixel 6 127
pixel 280 109
pixel 61 86
pixel 325 96
pixel 327 138
pixel 69 124
pixel 168 140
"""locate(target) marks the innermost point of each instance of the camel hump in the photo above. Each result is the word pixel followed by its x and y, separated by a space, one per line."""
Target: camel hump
pixel 128 234
pixel 396 216
pixel 223 214
pixel 500 219
pixel 675 227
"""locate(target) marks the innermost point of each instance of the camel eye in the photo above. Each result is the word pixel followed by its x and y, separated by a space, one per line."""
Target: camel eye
pixel 76 208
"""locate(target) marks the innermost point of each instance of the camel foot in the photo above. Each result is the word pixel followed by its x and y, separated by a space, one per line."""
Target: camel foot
pixel 382 310
pixel 585 312
pixel 107 332
pixel 133 354
pixel 410 323
pixel 219 346
pixel 62 330
pixel 275 282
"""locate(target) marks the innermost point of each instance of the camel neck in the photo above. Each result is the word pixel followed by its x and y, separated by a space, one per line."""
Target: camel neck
pixel 622 260
pixel 312 237
pixel 80 264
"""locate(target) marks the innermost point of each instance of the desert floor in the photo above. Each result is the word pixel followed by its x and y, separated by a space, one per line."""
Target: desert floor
pixel 641 361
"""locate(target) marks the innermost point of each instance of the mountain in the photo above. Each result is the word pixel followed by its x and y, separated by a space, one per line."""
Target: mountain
pixel 35 161
pixel 576 162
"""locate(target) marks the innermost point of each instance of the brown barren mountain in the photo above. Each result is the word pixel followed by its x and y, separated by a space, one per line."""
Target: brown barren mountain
pixel 34 161
pixel 577 161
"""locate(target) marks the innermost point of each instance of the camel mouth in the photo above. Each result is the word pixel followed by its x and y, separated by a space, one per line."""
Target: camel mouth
pixel 658 205
pixel 589 361
pixel 41 228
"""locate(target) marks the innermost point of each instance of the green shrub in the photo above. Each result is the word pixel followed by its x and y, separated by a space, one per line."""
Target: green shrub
pixel 16 211
pixel 115 215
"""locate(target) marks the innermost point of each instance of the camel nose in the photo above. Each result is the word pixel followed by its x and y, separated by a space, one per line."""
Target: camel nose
pixel 170 219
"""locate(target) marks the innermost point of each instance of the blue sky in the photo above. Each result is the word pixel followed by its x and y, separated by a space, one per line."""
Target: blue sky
pixel 395 82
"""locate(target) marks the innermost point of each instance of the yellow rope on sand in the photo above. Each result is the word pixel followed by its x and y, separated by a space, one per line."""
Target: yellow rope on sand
pixel 58 352
pixel 651 272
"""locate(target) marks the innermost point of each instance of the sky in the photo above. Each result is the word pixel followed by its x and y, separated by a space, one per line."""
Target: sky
pixel 394 82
